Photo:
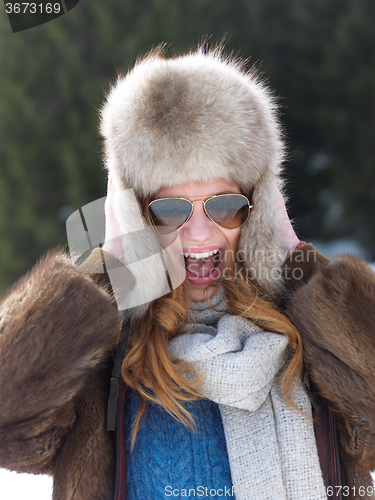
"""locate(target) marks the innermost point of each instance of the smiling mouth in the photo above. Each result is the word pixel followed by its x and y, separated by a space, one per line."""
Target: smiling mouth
pixel 203 264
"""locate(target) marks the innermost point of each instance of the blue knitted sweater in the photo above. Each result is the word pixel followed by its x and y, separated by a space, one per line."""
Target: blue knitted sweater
pixel 170 461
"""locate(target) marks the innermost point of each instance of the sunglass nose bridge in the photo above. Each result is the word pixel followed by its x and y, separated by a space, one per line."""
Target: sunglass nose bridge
pixel 204 211
pixel 198 201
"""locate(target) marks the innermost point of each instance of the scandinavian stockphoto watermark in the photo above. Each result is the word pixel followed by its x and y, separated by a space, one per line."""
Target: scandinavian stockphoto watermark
pixel 26 15
pixel 150 266
pixel 255 265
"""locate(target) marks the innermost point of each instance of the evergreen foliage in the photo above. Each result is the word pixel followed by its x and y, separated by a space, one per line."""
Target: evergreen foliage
pixel 317 54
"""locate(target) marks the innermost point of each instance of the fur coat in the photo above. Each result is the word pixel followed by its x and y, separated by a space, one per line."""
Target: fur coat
pixel 58 327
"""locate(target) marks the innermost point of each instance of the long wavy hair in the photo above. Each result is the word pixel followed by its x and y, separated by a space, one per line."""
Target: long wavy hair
pixel 148 368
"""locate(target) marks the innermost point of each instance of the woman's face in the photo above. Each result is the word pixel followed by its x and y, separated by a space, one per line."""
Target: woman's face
pixel 200 235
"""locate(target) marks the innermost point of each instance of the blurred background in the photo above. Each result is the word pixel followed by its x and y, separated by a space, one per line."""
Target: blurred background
pixel 317 55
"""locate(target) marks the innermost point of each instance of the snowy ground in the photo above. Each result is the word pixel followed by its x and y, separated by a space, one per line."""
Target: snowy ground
pixel 15 486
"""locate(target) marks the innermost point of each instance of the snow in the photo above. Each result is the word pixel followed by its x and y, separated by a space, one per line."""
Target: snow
pixel 15 486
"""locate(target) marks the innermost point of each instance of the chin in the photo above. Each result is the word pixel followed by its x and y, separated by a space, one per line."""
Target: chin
pixel 197 293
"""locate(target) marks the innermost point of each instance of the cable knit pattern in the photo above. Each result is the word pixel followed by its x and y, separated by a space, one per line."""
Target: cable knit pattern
pixel 166 453
pixel 167 456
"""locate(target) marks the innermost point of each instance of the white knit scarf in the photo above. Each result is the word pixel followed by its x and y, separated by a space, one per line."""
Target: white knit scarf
pixel 271 446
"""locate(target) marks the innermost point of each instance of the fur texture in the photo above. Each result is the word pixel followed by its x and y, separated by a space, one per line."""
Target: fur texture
pixel 54 368
pixel 334 310
pixel 54 371
pixel 199 117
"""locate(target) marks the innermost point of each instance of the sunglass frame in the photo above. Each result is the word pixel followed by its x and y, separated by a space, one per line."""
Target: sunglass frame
pixel 204 208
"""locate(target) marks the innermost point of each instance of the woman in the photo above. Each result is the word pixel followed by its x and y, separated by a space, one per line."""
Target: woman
pixel 214 397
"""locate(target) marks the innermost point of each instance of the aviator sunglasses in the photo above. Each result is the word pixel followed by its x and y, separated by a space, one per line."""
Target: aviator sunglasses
pixel 227 210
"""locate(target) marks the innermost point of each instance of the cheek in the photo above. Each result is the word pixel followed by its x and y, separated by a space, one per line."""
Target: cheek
pixel 233 237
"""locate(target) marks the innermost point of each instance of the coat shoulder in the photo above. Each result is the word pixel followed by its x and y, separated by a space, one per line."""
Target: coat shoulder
pixel 335 314
pixel 57 328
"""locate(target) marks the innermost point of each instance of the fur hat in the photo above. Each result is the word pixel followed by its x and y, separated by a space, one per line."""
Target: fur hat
pixel 199 117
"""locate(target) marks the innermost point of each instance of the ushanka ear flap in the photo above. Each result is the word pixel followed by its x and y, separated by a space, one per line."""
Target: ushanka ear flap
pixel 260 245
pixel 155 268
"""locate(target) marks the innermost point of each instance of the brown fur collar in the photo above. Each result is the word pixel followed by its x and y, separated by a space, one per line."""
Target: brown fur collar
pixel 334 310
pixel 54 379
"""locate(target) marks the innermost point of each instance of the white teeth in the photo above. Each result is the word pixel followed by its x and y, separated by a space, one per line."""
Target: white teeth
pixel 202 255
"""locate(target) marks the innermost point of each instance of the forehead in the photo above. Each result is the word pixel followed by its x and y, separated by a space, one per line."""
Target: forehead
pixel 198 190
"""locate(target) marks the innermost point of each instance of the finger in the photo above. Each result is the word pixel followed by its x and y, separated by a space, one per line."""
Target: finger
pixel 113 243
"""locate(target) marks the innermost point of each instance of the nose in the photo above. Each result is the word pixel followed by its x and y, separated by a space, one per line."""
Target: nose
pixel 199 228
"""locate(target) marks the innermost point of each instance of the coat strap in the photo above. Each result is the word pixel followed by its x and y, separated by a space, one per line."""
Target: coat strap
pixel 121 471
pixel 327 443
pixel 116 372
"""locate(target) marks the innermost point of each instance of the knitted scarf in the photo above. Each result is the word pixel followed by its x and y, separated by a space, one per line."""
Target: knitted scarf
pixel 271 446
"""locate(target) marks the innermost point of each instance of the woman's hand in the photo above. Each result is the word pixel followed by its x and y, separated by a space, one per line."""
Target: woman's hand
pixel 113 236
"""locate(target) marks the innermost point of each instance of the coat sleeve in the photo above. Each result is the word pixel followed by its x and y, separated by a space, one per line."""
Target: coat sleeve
pixel 56 329
pixel 333 307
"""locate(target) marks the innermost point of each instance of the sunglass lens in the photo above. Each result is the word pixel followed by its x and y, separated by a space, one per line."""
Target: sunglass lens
pixel 229 210
pixel 169 214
